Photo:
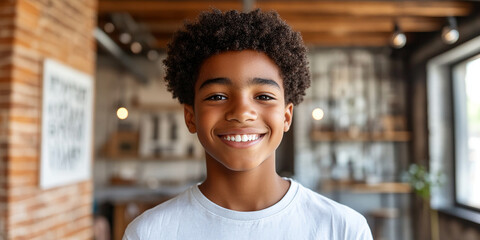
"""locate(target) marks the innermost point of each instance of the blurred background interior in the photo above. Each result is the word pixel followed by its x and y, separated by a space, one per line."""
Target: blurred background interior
pixel 389 127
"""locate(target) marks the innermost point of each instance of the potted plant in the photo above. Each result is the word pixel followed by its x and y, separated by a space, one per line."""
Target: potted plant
pixel 422 183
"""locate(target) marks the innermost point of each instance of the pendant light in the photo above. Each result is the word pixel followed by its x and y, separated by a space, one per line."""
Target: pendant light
pixel 450 33
pixel 398 39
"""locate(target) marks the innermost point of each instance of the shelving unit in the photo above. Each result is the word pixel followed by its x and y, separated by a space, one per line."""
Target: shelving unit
pixel 151 159
pixel 143 107
pixel 372 188
pixel 358 149
pixel 331 136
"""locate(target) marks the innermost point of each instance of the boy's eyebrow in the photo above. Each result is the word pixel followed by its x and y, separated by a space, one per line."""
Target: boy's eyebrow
pixel 264 81
pixel 227 81
pixel 222 81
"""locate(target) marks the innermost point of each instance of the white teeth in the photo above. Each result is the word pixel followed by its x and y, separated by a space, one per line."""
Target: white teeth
pixel 241 138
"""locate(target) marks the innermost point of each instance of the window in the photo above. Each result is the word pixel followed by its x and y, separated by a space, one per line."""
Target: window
pixel 453 93
pixel 466 108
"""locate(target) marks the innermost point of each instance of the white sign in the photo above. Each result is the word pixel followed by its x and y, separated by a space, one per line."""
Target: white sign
pixel 66 125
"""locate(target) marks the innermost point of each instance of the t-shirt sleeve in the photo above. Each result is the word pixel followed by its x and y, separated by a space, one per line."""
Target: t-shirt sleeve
pixel 131 233
pixel 356 226
pixel 364 232
pixel 136 230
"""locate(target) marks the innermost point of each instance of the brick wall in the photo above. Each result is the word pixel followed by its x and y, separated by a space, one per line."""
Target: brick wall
pixel 30 31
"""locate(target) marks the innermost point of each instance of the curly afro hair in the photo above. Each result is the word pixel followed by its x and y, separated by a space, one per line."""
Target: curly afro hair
pixel 215 32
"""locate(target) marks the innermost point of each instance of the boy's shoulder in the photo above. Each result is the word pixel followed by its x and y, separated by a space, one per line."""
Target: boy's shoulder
pixel 170 206
pixel 328 212
pixel 160 215
pixel 327 207
pixel 315 200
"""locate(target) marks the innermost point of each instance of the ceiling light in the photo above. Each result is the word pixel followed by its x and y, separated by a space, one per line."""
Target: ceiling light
pixel 122 113
pixel 136 47
pixel 109 27
pixel 125 38
pixel 152 55
pixel 450 33
pixel 398 38
pixel 318 114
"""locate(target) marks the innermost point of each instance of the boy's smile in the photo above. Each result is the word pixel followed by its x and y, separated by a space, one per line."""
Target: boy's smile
pixel 239 111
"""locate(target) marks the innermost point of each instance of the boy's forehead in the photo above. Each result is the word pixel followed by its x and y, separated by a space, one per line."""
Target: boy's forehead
pixel 225 62
pixel 245 65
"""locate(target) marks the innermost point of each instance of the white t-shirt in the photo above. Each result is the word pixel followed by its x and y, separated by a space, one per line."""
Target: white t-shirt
pixel 300 214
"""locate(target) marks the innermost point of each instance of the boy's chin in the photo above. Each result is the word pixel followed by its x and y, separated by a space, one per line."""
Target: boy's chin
pixel 240 168
pixel 240 165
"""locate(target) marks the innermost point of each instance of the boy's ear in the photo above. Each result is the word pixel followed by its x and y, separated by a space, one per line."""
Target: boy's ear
pixel 288 117
pixel 189 118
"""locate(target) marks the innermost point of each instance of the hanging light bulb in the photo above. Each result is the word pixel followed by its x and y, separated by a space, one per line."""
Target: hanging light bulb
pixel 122 113
pixel 450 33
pixel 318 114
pixel 109 27
pixel 136 47
pixel 152 55
pixel 125 38
pixel 398 38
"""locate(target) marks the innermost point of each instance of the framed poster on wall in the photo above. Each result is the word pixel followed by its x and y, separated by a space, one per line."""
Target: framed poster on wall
pixel 67 115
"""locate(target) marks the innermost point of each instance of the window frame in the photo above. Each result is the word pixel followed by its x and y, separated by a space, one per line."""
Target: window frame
pixel 440 128
pixel 454 91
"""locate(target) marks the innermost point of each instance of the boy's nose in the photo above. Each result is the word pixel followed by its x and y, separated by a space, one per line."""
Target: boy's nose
pixel 241 111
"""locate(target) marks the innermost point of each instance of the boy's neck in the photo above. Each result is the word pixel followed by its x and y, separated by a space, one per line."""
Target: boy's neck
pixel 251 190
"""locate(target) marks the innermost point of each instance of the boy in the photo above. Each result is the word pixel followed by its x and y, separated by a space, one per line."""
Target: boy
pixel 239 76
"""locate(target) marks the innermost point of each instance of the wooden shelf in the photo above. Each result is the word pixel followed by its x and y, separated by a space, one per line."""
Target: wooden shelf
pixel 166 107
pixel 355 187
pixel 152 159
pixel 391 136
pixel 158 108
pixel 384 187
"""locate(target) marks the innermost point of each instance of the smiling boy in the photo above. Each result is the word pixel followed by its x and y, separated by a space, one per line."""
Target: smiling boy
pixel 239 76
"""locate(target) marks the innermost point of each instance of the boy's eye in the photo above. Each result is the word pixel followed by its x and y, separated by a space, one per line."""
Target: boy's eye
pixel 264 97
pixel 216 98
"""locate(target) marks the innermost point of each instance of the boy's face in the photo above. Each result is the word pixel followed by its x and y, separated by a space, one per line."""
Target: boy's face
pixel 239 113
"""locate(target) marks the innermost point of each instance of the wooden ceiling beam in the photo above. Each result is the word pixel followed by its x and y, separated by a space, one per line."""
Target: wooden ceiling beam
pixel 333 25
pixel 365 24
pixel 325 23
pixel 145 6
pixel 165 16
pixel 344 8
pixel 371 8
pixel 367 40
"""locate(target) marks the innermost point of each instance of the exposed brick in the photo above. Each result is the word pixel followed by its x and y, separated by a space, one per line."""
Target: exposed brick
pixel 26 76
pixel 28 64
pixel 30 31
pixel 28 160
pixel 22 180
pixel 21 151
